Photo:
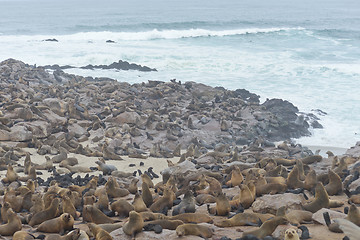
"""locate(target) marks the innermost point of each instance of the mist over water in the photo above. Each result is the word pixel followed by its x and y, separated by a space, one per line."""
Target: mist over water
pixel 303 51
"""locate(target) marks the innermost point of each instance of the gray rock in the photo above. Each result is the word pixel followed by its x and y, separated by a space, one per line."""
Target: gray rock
pixel 271 203
pixel 20 133
pixel 318 216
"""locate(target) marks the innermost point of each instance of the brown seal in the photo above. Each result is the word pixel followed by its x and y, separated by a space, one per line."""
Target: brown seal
pixel 165 201
pixel 113 189
pixel 38 204
pixel 186 205
pixel 68 207
pixel 165 223
pixel 192 218
pixel 240 219
pixel 295 217
pixel 10 176
pixel 236 177
pixel 205 198
pixel 138 203
pixel 5 207
pixel 310 180
pixel 146 194
pixel 73 235
pixel 134 224
pixel 23 235
pixel 59 225
pixel 222 207
pixel 267 228
pixel 194 229
pixel 103 199
pixel 13 225
pixel 92 214
pixel 149 216
pixel 145 178
pixel 98 232
pixel 122 207
pixel 321 199
pixel 335 185
pixel 293 181
pixel 133 186
pixel 311 159
pixel 46 214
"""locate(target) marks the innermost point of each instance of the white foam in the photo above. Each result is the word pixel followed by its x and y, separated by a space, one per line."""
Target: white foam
pixel 149 35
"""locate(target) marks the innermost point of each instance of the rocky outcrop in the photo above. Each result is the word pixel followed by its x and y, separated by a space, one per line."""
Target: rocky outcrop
pixel 120 65
pixel 155 116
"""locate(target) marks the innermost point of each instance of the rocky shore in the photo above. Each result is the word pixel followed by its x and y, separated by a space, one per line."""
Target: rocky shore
pixel 190 143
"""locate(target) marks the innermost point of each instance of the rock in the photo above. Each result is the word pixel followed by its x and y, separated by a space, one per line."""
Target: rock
pixel 354 151
pixel 4 135
pixel 318 216
pixel 20 133
pixel 130 118
pixel 77 130
pixel 271 203
pixel 165 235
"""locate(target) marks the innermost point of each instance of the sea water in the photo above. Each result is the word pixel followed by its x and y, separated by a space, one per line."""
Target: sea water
pixel 306 52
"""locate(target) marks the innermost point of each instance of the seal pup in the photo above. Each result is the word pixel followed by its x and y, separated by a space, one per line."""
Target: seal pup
pixel 165 223
pixel 59 225
pixel 291 234
pixel 13 225
pixel 194 229
pixel 138 203
pixel 134 224
pixel 240 219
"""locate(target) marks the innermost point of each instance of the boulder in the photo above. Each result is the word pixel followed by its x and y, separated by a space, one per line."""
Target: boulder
pixel 271 203
pixel 318 216
pixel 20 133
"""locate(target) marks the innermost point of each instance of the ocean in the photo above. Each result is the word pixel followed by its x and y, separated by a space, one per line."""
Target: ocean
pixel 306 52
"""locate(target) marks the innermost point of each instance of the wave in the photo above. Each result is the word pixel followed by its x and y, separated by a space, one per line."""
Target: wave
pixel 157 34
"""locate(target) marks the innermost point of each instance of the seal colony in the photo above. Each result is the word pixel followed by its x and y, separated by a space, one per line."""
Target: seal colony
pixel 224 178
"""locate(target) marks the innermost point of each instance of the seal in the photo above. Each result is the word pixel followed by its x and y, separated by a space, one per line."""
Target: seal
pixel 103 200
pixel 295 217
pixel 13 225
pixel 92 214
pixel 236 177
pixel 133 186
pixel 134 224
pixel 240 219
pixel 192 218
pixel 68 207
pixel 38 204
pixel 310 180
pixel 73 235
pixel 335 185
pixel 291 234
pixel 205 198
pixel 122 207
pixel 165 201
pixel 165 223
pixel 61 224
pixel 23 235
pixel 105 168
pixel 11 175
pixel 267 228
pixel 46 214
pixel 113 190
pixel 4 208
pixel 187 205
pixel 138 203
pixel 321 199
pixel 145 178
pixel 222 207
pixel 311 159
pixel 194 229
pixel 98 232
pixel 293 180
pixel 146 195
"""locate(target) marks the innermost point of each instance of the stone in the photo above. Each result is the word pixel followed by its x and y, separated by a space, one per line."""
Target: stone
pixel 20 133
pixel 271 203
pixel 318 216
